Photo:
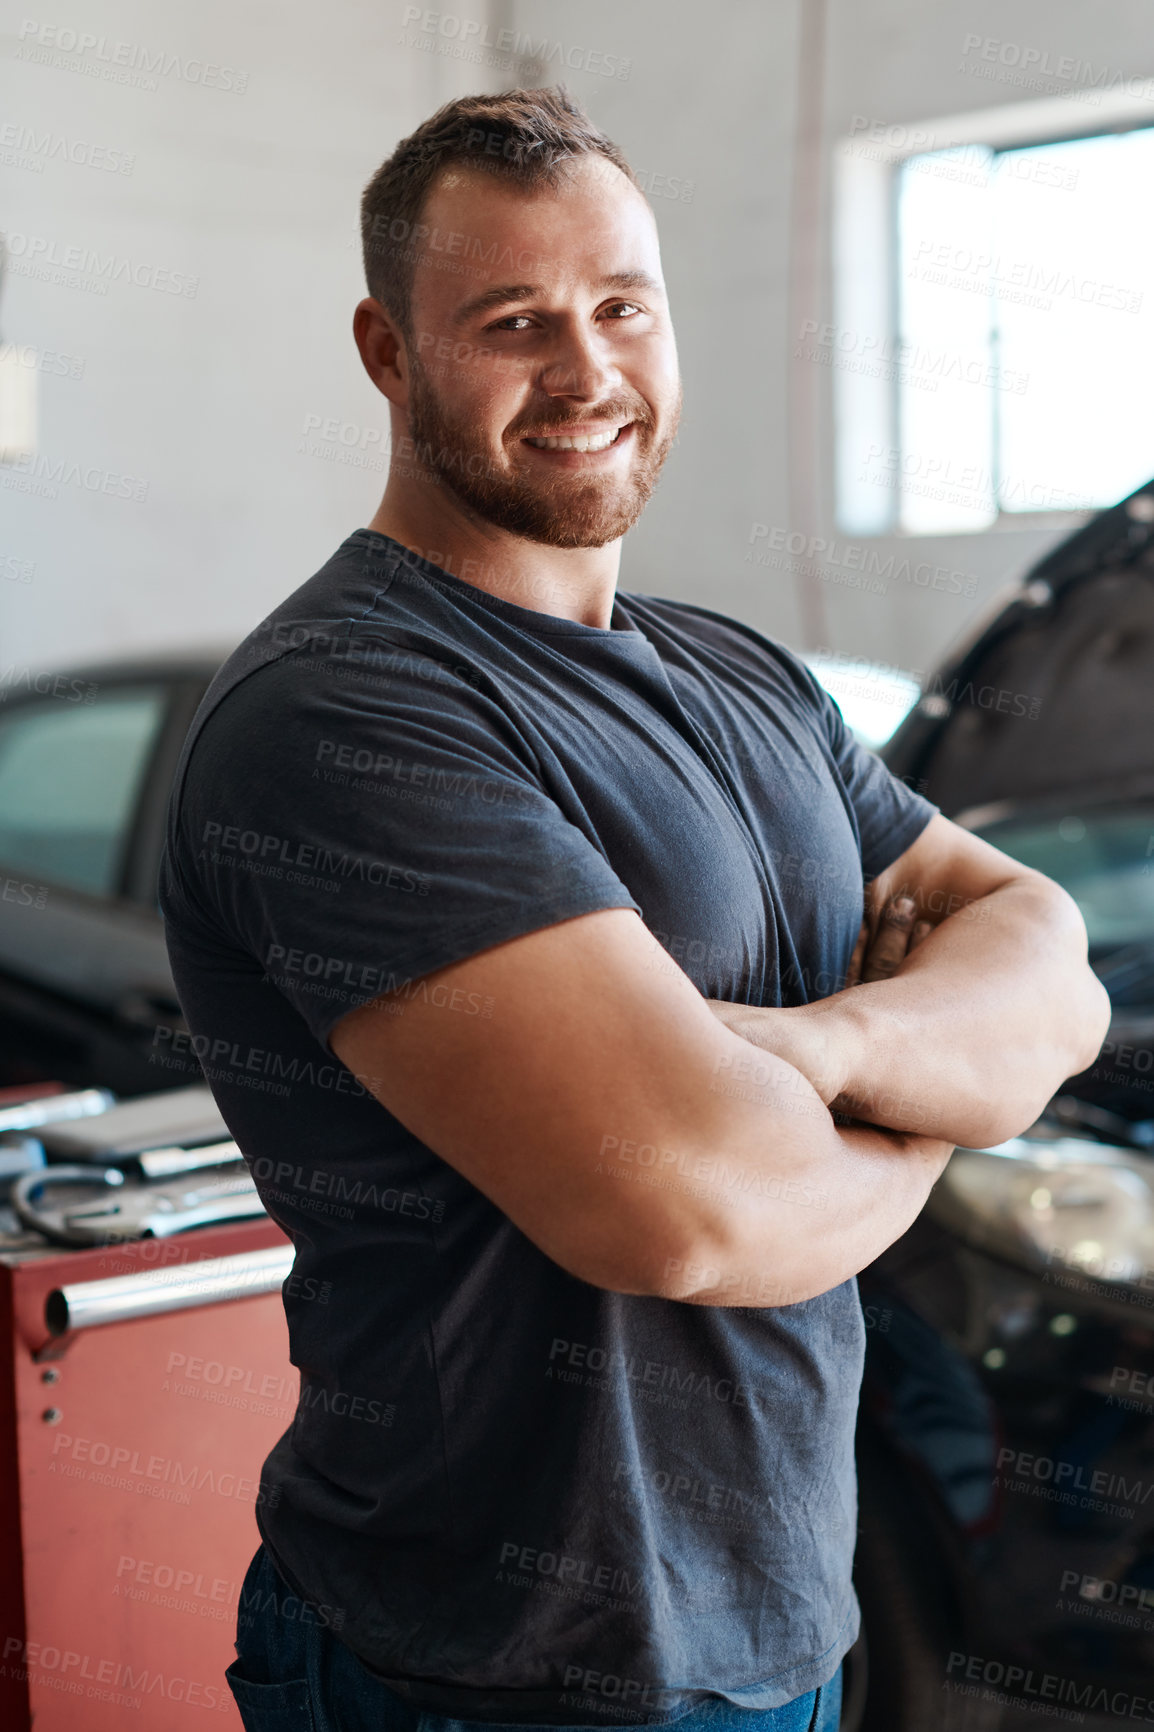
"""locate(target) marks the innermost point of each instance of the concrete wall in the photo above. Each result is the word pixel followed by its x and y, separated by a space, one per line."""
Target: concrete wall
pixel 216 398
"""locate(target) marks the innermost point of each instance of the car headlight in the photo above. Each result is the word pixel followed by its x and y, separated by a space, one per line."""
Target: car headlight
pixel 1069 1203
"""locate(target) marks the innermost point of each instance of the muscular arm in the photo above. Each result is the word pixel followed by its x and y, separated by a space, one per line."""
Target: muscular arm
pixel 980 1022
pixel 625 1131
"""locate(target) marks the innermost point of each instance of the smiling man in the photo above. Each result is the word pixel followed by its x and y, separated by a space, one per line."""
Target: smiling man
pixel 581 1084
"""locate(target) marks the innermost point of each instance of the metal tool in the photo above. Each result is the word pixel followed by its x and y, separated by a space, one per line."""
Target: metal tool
pixel 172 1118
pixel 123 1208
pixel 58 1109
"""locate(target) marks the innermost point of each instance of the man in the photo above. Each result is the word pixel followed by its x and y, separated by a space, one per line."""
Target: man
pixel 570 882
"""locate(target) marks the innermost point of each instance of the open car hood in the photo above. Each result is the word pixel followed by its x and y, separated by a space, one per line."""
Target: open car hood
pixel 1055 695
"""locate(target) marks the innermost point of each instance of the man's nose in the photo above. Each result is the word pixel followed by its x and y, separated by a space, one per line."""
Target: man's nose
pixel 578 367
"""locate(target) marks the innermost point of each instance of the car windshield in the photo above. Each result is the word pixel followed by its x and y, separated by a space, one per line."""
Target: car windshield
pixel 1103 857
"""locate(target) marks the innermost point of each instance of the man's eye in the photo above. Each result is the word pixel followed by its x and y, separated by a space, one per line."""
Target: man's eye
pixel 512 321
pixel 621 309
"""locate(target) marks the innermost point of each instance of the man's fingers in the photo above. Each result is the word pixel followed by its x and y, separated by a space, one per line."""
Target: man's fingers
pixel 853 972
pixel 898 933
pixel 892 942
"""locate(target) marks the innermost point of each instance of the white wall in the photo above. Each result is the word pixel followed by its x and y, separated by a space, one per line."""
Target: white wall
pixel 254 193
pixel 881 68
pixel 205 397
pixel 713 93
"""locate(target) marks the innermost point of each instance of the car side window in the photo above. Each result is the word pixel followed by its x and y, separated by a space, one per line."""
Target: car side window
pixel 71 771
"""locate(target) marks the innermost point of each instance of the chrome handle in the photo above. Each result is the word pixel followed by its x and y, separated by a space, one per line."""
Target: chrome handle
pixel 88 1304
pixel 55 1109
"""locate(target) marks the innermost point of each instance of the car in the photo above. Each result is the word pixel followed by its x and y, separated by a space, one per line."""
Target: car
pixel 87 758
pixel 1005 1563
pixel 1007 1411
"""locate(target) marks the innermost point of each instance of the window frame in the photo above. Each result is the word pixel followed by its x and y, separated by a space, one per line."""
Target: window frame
pixel 865 290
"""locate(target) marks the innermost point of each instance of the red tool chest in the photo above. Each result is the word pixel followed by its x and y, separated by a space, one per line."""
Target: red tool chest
pixel 131 1442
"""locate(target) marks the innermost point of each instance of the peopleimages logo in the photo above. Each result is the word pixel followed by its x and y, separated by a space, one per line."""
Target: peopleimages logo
pixel 564 1568
pixel 223 840
pixel 73 691
pixel 364 1193
pixel 584 1358
pixel 32 255
pixel 471 35
pixel 1104 1591
pixel 123 1468
pixel 1021 1681
pixel 100 1680
pixel 634 1691
pixel 344 1405
pixel 1044 1467
pixel 19 140
pixel 103 57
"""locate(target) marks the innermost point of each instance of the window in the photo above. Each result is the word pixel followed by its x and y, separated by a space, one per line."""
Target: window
pixel 1017 306
pixel 874 699
pixel 71 772
pixel 1102 857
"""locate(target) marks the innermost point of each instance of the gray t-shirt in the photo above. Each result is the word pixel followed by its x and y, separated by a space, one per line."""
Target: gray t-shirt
pixel 519 1497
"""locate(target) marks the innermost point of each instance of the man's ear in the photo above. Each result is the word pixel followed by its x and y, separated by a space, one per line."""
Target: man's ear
pixel 381 344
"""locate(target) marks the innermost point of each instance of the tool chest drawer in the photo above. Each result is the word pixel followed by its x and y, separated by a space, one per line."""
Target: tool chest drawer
pixel 141 1386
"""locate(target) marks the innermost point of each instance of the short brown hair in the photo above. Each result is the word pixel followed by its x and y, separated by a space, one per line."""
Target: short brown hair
pixel 525 136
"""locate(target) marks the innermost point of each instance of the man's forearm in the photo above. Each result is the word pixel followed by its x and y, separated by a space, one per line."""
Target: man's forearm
pixel 859 1189
pixel 973 1034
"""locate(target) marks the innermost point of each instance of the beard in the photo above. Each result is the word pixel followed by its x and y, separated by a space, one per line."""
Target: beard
pixel 565 510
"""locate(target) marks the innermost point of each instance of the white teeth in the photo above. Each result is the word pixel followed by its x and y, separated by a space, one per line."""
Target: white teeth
pixel 595 442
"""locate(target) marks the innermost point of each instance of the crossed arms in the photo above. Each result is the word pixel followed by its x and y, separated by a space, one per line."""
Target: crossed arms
pixel 651 1141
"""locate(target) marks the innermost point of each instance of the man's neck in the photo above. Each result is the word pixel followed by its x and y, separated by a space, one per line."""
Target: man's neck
pixel 575 583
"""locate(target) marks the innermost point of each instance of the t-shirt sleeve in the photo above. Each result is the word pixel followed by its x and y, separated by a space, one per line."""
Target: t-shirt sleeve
pixel 351 842
pixel 890 814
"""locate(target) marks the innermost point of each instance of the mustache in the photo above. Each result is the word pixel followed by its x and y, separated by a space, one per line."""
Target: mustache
pixel 560 425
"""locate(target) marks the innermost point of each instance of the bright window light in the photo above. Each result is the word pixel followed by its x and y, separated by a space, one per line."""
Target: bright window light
pixel 872 698
pixel 1025 295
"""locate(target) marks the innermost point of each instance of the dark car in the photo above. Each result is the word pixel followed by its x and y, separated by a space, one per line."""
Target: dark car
pixel 1006 1439
pixel 1006 1444
pixel 86 763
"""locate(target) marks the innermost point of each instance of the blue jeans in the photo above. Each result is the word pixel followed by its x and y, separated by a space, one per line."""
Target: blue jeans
pixel 295 1676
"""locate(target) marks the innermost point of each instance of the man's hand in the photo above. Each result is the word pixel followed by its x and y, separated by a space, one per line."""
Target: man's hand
pixel 804 1041
pixel 611 1119
pixel 961 1031
pixel 898 932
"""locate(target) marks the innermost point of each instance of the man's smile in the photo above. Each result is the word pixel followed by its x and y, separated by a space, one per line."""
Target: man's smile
pixel 580 444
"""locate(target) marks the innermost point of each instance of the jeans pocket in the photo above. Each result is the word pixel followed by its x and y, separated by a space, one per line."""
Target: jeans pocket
pixel 283 1707
pixel 827 1708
